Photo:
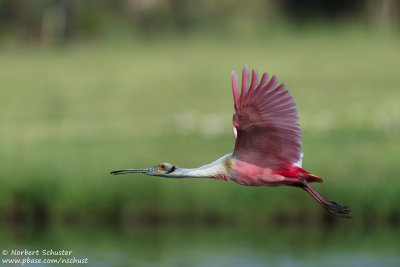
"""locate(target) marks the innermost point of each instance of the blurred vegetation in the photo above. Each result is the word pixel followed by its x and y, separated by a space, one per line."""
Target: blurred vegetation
pixel 137 89
pixel 64 21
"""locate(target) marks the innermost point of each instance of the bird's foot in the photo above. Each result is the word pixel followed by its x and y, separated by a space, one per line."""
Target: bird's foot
pixel 336 209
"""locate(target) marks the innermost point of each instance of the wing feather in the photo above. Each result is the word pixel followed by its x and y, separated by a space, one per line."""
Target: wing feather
pixel 265 122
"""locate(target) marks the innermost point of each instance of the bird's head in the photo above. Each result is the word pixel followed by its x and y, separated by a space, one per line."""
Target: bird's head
pixel 163 169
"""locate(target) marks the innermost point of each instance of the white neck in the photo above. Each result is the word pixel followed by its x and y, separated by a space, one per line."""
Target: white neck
pixel 215 169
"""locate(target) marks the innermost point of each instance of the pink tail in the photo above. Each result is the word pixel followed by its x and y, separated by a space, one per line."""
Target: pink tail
pixel 297 172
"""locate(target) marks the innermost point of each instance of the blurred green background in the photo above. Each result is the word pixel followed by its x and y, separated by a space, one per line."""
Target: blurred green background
pixel 87 87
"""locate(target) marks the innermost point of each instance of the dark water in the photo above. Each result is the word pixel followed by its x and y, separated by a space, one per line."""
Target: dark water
pixel 266 245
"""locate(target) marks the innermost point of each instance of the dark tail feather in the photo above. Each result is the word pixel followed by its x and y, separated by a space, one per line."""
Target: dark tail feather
pixel 312 178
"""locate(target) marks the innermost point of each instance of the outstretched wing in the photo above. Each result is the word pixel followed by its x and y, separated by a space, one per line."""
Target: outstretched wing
pixel 266 122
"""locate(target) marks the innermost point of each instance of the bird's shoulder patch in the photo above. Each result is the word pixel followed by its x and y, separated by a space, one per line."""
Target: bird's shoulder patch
pixel 229 163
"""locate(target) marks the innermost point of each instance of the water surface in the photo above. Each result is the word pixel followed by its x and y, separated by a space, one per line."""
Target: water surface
pixel 253 246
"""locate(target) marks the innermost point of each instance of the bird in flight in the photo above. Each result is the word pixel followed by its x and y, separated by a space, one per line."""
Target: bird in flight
pixel 268 143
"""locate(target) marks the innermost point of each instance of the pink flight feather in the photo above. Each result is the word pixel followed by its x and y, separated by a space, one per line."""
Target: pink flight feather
pixel 235 89
pixel 265 122
pixel 245 81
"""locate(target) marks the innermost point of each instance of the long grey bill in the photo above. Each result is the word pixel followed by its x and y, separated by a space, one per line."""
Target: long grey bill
pixel 130 171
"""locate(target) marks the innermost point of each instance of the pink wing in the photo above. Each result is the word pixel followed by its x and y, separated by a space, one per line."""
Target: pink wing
pixel 268 134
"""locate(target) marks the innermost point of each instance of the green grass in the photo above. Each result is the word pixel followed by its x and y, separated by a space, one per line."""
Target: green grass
pixel 71 115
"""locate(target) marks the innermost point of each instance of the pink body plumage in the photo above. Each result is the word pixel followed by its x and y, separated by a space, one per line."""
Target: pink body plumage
pixel 245 173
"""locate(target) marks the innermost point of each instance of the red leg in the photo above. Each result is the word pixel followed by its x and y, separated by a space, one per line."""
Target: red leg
pixel 331 206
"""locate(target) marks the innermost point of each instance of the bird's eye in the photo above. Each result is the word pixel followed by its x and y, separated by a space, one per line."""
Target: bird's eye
pixel 162 166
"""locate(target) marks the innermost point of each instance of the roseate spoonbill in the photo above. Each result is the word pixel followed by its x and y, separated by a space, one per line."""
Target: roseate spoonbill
pixel 268 143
